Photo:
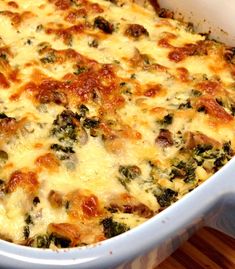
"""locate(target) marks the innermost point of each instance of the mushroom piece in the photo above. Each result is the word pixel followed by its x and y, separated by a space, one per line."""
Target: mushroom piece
pixel 193 139
pixel 136 31
pixel 128 204
pixel 164 138
pixel 55 198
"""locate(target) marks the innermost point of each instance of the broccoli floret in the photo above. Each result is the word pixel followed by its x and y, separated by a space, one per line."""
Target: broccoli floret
pixel 57 147
pixel 93 125
pixel 124 182
pixel 28 219
pixel 36 200
pixel 227 149
pixel 220 161
pixel 113 228
pixel 185 170
pixel 167 120
pixel 80 70
pixel 40 241
pixel 26 232
pixel 129 172
pixel 90 123
pixel 44 241
pixel 190 174
pixel 65 127
pixel 185 105
pixel 68 130
pixel 49 58
pixel 204 150
pixel 63 153
pixel 60 242
pixel 218 157
pixel 83 110
pixel 3 116
pixel 166 198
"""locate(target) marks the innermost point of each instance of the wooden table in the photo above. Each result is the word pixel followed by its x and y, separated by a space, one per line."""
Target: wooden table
pixel 206 249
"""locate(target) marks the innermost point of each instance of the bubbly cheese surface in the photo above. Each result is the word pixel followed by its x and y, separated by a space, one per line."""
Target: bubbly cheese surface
pixel 110 111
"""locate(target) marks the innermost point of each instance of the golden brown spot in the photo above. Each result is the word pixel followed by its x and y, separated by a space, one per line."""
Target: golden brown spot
pixel 153 91
pixel 214 109
pixel 13 4
pixel 4 83
pixel 210 87
pixel 26 180
pixel 83 205
pixel 48 161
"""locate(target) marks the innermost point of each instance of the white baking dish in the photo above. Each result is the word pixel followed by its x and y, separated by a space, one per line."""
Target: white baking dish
pixel 216 16
pixel 211 204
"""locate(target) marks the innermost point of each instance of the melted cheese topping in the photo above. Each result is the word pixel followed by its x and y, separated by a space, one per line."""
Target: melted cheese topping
pixel 108 114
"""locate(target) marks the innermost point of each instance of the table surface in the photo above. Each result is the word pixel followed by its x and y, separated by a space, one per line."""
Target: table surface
pixel 208 249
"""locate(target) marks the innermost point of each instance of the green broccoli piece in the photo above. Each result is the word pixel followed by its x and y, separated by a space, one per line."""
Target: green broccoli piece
pixel 26 232
pixel 63 153
pixel 167 120
pixel 218 157
pixel 113 228
pixel 129 172
pixel 90 123
pixel 185 170
pixel 28 219
pixel 83 111
pixel 166 198
pixel 227 149
pixel 49 58
pixel 60 242
pixel 40 241
pixel 3 116
pixel 185 105
pixel 65 128
pixel 68 130
pixel 80 70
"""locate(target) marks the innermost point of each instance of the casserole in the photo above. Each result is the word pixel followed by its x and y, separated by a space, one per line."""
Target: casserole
pixel 111 255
